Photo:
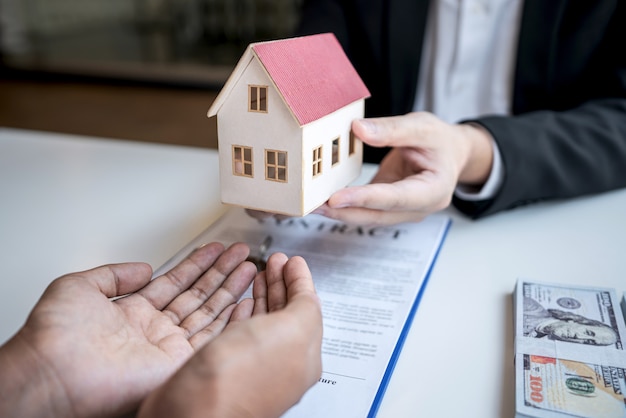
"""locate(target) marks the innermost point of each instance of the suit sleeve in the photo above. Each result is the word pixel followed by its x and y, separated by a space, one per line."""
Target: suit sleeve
pixel 557 155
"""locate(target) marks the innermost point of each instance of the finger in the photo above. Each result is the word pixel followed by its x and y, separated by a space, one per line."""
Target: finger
pixel 209 282
pixel 228 293
pixel 243 310
pixel 276 288
pixel 259 214
pixel 259 293
pixel 394 131
pixel 213 329
pixel 163 289
pixel 373 217
pixel 301 295
pixel 115 279
pixel 298 279
pixel 412 193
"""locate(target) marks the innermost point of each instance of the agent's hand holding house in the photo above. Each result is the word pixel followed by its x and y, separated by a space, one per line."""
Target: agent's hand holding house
pixel 429 159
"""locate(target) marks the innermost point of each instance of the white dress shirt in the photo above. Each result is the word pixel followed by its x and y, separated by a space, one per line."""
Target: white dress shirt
pixel 467 67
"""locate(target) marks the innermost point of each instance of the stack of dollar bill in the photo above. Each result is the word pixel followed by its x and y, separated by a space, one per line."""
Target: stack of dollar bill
pixel 569 351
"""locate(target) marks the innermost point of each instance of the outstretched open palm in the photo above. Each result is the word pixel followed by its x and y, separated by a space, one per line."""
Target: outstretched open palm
pixel 102 354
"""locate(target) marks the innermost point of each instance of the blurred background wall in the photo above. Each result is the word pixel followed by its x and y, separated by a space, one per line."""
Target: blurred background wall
pixel 132 69
pixel 184 41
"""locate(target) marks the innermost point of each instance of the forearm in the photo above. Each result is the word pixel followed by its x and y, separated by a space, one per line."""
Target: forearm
pixel 26 388
pixel 194 398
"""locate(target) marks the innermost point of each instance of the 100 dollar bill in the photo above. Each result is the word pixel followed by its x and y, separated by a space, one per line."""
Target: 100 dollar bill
pixel 570 358
pixel 573 314
pixel 549 387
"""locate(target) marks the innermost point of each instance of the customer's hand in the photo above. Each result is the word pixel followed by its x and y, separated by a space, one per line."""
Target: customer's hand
pixel 418 176
pixel 83 354
pixel 259 366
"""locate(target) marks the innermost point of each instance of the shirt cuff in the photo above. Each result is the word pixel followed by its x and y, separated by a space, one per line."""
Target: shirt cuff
pixel 491 186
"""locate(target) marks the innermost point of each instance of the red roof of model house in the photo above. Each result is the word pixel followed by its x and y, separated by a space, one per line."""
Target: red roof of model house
pixel 312 73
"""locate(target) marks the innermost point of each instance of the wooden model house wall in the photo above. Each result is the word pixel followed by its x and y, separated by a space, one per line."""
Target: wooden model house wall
pixel 284 125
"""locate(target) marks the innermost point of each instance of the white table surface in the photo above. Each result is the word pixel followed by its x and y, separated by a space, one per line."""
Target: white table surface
pixel 69 203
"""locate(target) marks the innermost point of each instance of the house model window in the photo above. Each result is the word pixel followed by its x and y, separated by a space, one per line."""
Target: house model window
pixel 242 161
pixel 352 144
pixel 276 165
pixel 335 159
pixel 317 161
pixel 258 98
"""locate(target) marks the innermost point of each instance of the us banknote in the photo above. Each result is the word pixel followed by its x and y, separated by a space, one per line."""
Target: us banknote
pixel 549 387
pixel 570 358
pixel 574 314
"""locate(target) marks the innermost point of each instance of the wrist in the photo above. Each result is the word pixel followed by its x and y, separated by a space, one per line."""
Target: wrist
pixel 204 387
pixel 28 387
pixel 477 167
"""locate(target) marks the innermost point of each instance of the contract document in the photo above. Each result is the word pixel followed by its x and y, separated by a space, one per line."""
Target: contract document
pixel 370 281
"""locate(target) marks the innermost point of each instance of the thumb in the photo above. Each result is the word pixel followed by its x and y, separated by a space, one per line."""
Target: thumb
pixel 393 131
pixel 301 294
pixel 119 279
pixel 298 279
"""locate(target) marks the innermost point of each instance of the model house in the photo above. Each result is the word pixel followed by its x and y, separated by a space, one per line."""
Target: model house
pixel 283 125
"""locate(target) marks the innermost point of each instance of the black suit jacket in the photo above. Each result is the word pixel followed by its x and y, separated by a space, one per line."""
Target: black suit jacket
pixel 567 133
